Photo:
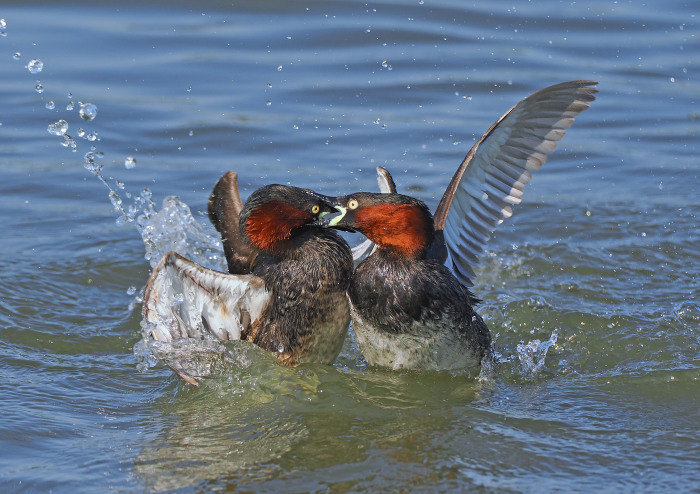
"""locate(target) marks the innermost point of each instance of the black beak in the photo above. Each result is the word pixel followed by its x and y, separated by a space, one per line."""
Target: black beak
pixel 326 218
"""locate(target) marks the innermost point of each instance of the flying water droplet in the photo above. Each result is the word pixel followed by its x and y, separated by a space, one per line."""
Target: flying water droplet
pixel 131 290
pixel 17 56
pixel 279 68
pixel 268 103
pixel 69 142
pixel 88 111
pixel 115 200
pixel 129 162
pixel 58 128
pixel 50 105
pixel 35 66
pixel 39 88
pixel 70 106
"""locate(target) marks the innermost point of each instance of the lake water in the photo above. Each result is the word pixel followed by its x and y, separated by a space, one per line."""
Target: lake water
pixel 591 290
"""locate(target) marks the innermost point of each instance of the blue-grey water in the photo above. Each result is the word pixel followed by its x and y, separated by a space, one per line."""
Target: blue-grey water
pixel 591 289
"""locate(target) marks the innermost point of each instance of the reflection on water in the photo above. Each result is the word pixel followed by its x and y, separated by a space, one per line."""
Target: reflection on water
pixel 254 421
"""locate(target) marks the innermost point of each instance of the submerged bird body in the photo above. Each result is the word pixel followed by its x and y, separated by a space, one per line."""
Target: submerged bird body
pixel 308 316
pixel 286 289
pixel 410 300
pixel 413 314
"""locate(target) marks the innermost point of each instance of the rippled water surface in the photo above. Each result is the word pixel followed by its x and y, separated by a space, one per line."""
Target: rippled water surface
pixel 591 290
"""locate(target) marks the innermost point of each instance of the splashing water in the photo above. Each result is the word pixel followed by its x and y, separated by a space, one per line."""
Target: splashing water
pixel 174 228
pixel 532 355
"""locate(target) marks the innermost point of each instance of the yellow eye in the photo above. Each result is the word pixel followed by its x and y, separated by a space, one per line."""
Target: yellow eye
pixel 315 209
pixel 352 204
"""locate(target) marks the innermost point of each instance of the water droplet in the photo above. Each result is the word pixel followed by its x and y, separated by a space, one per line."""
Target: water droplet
pixel 129 162
pixel 81 133
pixel 295 127
pixel 178 299
pixel 119 184
pixel 268 103
pixel 50 105
pixel 70 106
pixel 35 66
pixel 280 349
pixel 17 56
pixel 69 142
pixel 279 68
pixel 58 128
pixel 39 88
pixel 92 136
pixel 88 111
pixel 131 290
pixel 191 133
pixel 3 23
pixel 115 200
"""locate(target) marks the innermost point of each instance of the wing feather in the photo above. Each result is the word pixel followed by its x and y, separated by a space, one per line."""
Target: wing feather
pixel 492 176
pixel 185 300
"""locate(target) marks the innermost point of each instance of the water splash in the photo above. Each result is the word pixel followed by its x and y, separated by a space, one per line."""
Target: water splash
pixel 532 355
pixel 173 228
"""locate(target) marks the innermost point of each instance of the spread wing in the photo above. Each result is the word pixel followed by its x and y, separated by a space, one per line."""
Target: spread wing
pixel 387 186
pixel 185 300
pixel 492 176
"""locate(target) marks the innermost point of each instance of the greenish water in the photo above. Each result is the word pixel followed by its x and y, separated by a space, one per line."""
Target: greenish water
pixel 591 290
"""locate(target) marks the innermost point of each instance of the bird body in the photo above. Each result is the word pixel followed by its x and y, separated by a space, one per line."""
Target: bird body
pixel 287 289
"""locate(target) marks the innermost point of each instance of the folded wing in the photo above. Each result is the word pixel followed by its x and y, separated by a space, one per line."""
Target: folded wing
pixel 387 186
pixel 492 176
